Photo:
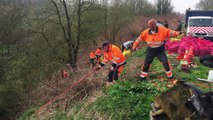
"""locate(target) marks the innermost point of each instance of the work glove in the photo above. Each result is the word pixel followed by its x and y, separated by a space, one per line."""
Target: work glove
pixel 133 49
pixel 113 65
pixel 98 68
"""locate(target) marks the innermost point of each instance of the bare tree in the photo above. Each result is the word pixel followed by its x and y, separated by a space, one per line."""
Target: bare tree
pixel 68 14
pixel 10 18
pixel 205 5
pixel 105 5
pixel 163 6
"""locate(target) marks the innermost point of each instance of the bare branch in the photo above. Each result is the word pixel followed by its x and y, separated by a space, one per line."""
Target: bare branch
pixel 53 21
pixel 50 86
pixel 59 19
pixel 68 20
pixel 92 3
pixel 48 43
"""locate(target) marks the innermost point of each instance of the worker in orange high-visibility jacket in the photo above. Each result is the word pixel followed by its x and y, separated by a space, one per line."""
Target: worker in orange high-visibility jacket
pixel 92 58
pixel 98 54
pixel 113 55
pixel 64 74
pixel 155 37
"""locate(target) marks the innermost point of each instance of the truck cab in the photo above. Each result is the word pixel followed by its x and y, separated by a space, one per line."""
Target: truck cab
pixel 199 24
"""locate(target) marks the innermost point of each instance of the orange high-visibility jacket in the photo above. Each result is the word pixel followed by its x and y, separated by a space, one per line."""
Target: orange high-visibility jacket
pixel 114 55
pixel 65 74
pixel 156 39
pixel 92 55
pixel 98 52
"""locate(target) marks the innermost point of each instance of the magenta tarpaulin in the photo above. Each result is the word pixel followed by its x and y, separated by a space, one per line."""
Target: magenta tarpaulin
pixel 172 47
pixel 200 46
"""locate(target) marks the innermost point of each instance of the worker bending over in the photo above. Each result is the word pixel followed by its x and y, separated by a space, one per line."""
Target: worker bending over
pixel 92 58
pixel 98 54
pixel 113 55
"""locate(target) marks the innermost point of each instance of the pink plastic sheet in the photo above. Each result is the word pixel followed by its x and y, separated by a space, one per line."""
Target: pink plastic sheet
pixel 201 47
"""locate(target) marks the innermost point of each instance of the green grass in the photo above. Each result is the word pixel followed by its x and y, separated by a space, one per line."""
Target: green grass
pixel 193 74
pixel 129 98
pixel 28 114
pixel 61 116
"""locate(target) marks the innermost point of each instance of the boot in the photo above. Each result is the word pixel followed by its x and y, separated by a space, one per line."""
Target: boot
pixel 142 78
pixel 108 84
pixel 172 80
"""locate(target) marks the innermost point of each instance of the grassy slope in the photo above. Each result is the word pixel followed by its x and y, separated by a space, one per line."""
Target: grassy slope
pixel 129 98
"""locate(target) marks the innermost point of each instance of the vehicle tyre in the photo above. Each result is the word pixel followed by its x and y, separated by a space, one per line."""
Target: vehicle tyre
pixel 208 63
pixel 206 57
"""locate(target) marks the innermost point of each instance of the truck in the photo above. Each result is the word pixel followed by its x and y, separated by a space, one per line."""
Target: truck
pixel 199 23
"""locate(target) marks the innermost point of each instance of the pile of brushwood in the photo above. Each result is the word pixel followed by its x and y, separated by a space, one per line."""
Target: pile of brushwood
pixel 183 101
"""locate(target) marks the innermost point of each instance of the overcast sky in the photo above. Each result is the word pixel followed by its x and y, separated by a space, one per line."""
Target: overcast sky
pixel 182 5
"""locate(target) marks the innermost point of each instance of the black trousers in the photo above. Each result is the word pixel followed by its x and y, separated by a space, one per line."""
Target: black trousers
pixel 113 74
pixel 158 52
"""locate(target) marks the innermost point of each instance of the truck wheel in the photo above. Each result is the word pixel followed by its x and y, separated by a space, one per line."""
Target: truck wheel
pixel 207 57
pixel 208 63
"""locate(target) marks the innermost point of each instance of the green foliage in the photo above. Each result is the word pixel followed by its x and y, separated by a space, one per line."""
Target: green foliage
pixel 27 114
pixel 127 100
pixel 80 116
pixel 60 116
pixel 163 6
pixel 140 53
pixel 93 24
pixel 130 98
pixel 3 106
pixel 192 74
pixel 25 60
pixel 2 72
pixel 32 47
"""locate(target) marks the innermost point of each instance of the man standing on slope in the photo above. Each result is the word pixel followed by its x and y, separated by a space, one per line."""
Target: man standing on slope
pixel 155 37
pixel 114 55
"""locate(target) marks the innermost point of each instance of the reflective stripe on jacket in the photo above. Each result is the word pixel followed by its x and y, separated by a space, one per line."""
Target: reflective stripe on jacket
pixel 157 39
pixel 114 55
